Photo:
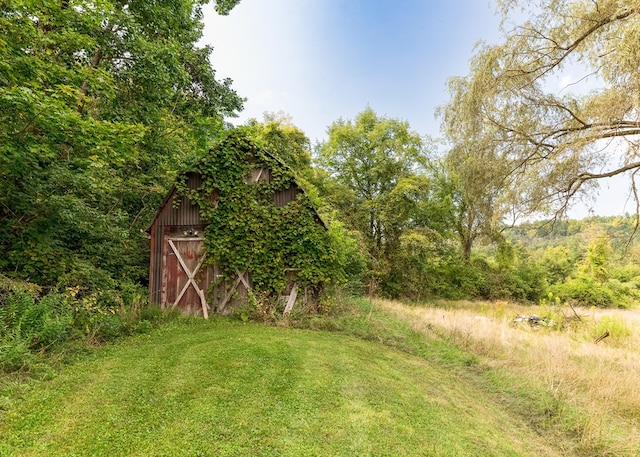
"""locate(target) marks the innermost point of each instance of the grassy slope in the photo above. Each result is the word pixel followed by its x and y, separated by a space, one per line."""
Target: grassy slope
pixel 226 388
pixel 557 379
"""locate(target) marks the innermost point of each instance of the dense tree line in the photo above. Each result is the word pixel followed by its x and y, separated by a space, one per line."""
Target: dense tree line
pixel 101 103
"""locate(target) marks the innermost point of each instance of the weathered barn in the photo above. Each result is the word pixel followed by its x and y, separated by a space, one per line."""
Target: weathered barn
pixel 209 266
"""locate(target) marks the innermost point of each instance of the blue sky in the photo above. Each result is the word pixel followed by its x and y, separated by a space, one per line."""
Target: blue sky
pixel 321 60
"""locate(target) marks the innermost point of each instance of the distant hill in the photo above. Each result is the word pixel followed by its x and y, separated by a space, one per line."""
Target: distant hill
pixel 620 231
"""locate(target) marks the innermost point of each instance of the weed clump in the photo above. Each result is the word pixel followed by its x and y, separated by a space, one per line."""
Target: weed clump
pixel 37 328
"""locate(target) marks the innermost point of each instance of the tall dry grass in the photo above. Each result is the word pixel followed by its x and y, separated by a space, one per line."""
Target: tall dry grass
pixel 600 380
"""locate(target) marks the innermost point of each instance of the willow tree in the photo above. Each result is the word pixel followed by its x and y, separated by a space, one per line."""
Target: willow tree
pixel 476 169
pixel 558 101
pixel 479 199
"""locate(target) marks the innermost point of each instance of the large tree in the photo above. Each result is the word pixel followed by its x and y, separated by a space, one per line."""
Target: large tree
pixel 368 159
pixel 377 179
pixel 476 171
pixel 99 101
pixel 559 100
pixel 475 180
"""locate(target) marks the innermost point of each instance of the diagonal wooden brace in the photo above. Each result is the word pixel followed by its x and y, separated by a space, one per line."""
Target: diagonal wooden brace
pixel 292 300
pixel 191 280
pixel 239 279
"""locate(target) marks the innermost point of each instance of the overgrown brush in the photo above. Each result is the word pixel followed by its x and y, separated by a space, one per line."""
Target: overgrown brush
pixel 34 326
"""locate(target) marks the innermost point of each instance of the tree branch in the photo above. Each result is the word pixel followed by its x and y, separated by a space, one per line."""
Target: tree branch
pixel 587 176
pixel 542 69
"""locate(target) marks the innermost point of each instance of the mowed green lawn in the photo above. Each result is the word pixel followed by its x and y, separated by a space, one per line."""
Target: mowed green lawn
pixel 224 388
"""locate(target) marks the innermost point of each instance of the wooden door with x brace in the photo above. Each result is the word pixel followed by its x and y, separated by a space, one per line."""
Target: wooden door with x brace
pixel 185 280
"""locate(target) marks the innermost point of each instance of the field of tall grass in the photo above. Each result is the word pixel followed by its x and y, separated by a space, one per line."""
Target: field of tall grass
pixel 595 384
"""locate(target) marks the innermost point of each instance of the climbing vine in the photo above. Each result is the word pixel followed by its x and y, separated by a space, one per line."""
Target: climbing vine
pixel 247 231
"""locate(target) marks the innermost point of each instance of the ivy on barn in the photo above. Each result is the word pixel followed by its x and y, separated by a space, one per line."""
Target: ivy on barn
pixel 247 231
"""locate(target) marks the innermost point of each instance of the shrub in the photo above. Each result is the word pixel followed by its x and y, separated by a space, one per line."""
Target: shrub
pixel 626 273
pixel 32 324
pixel 617 329
pixel 457 280
pixel 153 314
pixel 108 327
pixel 526 281
pixel 39 322
pixel 143 327
pixel 14 354
pixel 585 291
pixel 558 262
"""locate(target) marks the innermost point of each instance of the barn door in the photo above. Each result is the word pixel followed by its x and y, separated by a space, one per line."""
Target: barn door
pixel 184 282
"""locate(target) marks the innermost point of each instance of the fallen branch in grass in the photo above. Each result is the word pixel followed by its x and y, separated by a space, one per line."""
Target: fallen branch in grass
pixel 601 337
pixel 574 312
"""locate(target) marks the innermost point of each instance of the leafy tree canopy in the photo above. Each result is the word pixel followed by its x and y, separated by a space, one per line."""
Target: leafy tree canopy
pixel 99 101
pixel 285 140
pixel 558 99
pixel 368 158
pixel 375 171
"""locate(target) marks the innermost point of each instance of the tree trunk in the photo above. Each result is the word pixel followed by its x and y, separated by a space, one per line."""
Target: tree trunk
pixel 467 245
pixel 84 90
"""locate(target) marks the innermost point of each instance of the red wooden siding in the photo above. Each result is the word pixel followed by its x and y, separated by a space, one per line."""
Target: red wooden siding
pixel 183 226
pixel 176 279
pixel 171 220
pixel 282 197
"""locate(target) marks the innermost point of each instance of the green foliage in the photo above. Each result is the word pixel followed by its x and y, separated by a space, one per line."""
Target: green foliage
pixel 586 291
pixel 225 6
pixel 348 256
pixel 553 317
pixel 373 171
pixel 626 273
pixel 617 329
pixel 369 158
pixel 558 262
pixel 99 102
pixel 503 270
pixel 264 307
pixel 427 265
pixel 284 140
pixel 525 283
pixel 591 261
pixel 37 322
pixel 459 279
pixel 247 231
pixel 597 257
pixel 532 281
pixel 32 324
pixel 15 355
pixel 589 290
